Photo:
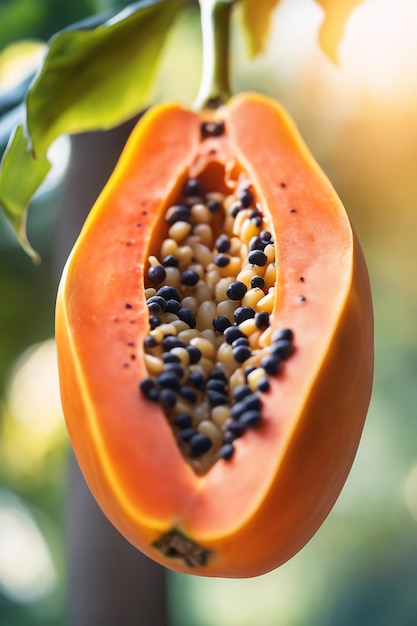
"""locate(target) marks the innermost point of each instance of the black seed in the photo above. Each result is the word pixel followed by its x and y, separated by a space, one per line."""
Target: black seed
pixel 271 364
pixel 221 260
pixel 241 353
pixel 217 375
pixel 222 243
pixel 262 320
pixel 168 293
pixel 256 243
pixel 168 357
pixel 156 274
pixel 167 398
pixel 240 341
pixel 176 213
pixel 237 409
pixel 250 419
pixel 172 306
pixel 189 278
pixel 283 333
pixel 228 437
pixel 186 316
pixel 252 402
pixel 255 213
pixel 169 380
pixel 232 333
pixel 187 433
pixel 182 420
pixel 236 208
pixel 199 444
pixel 156 305
pixel 128 306
pixel 170 261
pixel 264 385
pixel 265 235
pixel 213 206
pixel 153 395
pixel 241 391
pixel 216 385
pixel 194 353
pixel 257 257
pixel 146 385
pixel 282 348
pixel 226 451
pixel 154 308
pixel 236 291
pixel 211 129
pixel 196 379
pixel 243 313
pixel 189 394
pixel 154 321
pixel 176 368
pixel 216 398
pixel 249 369
pixel 170 341
pixel 150 342
pixel 235 428
pixel 192 187
pixel 257 281
pixel 246 197
pixel 220 323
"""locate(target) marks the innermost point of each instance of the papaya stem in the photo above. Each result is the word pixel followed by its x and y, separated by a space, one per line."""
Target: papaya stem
pixel 215 30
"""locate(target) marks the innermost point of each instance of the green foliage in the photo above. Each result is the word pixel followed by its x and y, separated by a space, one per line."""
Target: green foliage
pixel 17 190
pixel 98 74
pixel 92 78
pixel 40 19
pixel 97 79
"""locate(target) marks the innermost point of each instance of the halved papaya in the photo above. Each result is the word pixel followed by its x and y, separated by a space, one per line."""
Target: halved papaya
pixel 244 513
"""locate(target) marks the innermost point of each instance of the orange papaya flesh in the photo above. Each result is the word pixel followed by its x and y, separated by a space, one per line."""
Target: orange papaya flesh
pixel 247 515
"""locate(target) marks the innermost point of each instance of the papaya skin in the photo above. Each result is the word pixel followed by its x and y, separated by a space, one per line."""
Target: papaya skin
pixel 255 511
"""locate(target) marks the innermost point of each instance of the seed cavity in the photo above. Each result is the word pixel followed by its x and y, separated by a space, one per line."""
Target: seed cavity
pixel 210 351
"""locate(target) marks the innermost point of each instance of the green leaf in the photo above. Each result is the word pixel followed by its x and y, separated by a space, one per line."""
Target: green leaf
pixel 20 177
pixel 94 76
pixel 256 18
pixel 95 79
pixel 331 31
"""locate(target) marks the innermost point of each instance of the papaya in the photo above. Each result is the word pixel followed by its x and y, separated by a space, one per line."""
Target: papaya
pixel 214 332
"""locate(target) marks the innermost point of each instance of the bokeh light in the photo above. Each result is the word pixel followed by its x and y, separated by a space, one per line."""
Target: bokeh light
pixel 27 572
pixel 33 423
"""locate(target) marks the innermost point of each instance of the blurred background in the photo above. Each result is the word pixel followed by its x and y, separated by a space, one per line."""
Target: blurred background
pixel 360 121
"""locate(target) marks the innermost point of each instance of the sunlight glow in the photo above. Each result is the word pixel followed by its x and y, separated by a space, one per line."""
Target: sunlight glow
pixel 34 398
pixel 377 57
pixel 33 424
pixel 379 50
pixel 26 569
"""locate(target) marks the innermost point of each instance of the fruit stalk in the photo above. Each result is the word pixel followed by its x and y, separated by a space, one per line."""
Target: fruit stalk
pixel 215 29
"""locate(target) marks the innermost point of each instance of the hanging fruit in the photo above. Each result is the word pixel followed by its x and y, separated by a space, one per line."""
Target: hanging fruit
pixel 214 321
